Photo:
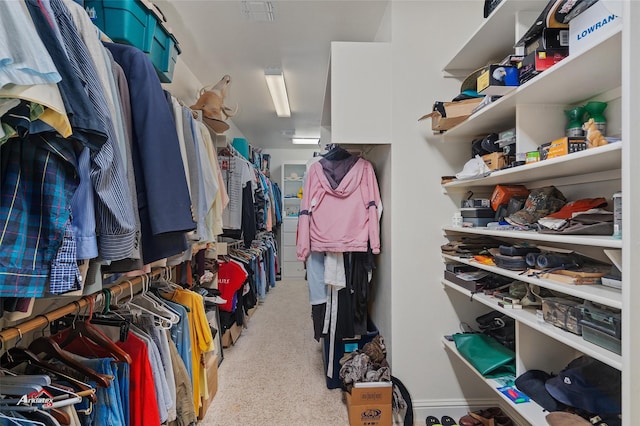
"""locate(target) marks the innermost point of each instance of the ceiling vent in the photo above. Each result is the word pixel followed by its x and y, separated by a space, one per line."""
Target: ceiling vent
pixel 258 11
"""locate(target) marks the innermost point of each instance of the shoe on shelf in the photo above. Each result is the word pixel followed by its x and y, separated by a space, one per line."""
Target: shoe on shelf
pixel 433 421
pixel 488 417
pixel 216 299
pixel 448 421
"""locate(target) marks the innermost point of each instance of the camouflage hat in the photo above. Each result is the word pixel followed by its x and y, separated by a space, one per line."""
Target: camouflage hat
pixel 540 203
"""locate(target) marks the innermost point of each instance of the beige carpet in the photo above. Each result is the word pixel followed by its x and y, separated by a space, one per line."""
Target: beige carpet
pixel 273 375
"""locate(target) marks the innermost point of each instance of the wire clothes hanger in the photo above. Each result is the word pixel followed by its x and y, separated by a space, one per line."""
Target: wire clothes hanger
pixel 20 422
pixel 144 305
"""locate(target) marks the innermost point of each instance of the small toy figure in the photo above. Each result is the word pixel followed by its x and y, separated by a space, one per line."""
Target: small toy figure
pixel 594 136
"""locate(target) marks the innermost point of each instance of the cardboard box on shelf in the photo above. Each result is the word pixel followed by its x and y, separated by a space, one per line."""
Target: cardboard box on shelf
pixel 566 145
pixel 497 80
pixel 550 38
pixel 496 160
pixel 503 193
pixel 540 60
pixel 593 25
pixel 371 405
pixel 454 113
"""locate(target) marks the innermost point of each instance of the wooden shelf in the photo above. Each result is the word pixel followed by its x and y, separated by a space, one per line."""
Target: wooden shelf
pixel 528 317
pixel 597 293
pixel 530 411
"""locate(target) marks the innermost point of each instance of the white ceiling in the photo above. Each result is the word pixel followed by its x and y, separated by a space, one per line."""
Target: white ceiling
pixel 217 38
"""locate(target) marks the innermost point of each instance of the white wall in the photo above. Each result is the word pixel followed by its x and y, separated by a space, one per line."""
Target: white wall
pixel 424 35
pixel 382 285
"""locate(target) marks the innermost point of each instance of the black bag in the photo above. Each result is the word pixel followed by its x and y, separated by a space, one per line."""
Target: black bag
pixel 499 326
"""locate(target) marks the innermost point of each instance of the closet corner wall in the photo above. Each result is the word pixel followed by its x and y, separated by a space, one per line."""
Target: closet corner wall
pixel 357 114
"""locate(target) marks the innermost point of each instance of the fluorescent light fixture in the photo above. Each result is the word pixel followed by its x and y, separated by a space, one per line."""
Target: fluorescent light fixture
pixel 306 141
pixel 278 91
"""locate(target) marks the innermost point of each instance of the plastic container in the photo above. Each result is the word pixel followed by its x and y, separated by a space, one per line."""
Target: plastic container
pixel 138 23
pixel 456 220
pixel 242 146
pixel 617 215
pixel 597 337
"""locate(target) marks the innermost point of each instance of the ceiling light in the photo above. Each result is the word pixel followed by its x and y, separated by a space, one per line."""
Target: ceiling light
pixel 278 91
pixel 306 141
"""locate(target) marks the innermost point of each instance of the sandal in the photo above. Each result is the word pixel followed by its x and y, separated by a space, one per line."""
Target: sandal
pixel 448 421
pixel 489 417
pixel 469 421
pixel 433 421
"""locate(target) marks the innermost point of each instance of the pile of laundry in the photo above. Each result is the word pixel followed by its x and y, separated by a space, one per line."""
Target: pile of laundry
pixel 366 365
pixel 369 364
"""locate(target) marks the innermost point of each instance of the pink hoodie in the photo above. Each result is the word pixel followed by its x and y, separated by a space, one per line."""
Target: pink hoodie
pixel 342 219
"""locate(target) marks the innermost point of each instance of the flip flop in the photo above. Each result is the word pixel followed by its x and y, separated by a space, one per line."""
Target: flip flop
pixel 433 421
pixel 448 421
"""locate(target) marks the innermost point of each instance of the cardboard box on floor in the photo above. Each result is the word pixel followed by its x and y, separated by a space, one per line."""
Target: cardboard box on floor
pixel 211 369
pixel 231 335
pixel 371 405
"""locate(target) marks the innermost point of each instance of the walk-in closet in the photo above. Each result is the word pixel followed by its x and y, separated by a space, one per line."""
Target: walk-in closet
pixel 311 212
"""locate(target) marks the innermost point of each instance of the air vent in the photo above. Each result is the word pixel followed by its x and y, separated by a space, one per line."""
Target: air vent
pixel 258 11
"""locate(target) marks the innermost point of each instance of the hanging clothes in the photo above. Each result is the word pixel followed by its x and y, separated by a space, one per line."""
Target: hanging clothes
pixel 201 339
pixel 357 198
pixel 163 196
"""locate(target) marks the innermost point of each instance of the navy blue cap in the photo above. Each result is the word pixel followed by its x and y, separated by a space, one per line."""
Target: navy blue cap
pixel 589 385
pixel 532 383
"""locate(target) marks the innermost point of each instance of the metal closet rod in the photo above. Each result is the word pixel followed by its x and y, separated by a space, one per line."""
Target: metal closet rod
pixel 42 320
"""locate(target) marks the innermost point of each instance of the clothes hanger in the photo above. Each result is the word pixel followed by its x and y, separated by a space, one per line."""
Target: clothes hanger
pixel 20 422
pixel 150 307
pixel 159 304
pixel 84 330
pixel 18 355
pixel 337 153
pixel 51 350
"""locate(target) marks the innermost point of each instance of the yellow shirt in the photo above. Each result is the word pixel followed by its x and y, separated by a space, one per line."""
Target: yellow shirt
pixel 201 340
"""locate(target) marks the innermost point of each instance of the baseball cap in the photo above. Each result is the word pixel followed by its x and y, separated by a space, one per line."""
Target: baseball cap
pixel 532 384
pixel 582 205
pixel 589 385
pixel 540 203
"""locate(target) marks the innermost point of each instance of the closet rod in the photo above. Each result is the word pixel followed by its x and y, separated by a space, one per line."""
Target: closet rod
pixel 42 320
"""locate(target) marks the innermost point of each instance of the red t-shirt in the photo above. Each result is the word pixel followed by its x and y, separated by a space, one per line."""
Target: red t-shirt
pixel 231 276
pixel 143 403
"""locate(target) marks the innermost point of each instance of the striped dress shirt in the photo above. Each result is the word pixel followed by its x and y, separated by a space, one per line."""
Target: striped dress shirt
pixel 114 210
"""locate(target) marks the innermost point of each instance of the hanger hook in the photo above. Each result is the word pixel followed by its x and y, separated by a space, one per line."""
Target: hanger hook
pixel 20 336
pixel 75 318
pixel 91 303
pixel 46 325
pixel 107 301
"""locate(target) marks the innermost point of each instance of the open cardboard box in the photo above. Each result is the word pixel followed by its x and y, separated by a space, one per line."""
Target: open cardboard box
pixel 455 113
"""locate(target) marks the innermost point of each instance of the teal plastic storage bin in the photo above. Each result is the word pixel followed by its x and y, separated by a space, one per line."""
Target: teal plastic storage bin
pixel 136 23
pixel 164 53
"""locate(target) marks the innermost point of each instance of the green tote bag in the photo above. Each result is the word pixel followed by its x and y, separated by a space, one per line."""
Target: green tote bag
pixel 486 354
